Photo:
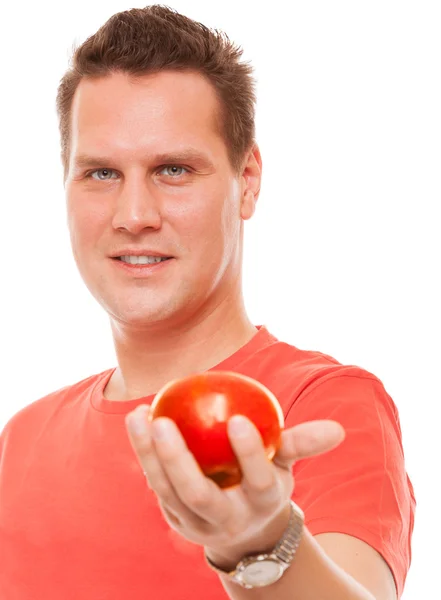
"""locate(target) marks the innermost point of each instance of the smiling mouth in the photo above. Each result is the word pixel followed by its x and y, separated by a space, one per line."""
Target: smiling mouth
pixel 142 260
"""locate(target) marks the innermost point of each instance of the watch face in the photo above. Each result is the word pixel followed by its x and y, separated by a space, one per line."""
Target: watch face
pixel 263 572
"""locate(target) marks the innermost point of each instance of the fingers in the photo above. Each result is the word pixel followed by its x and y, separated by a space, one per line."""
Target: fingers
pixel 260 482
pixel 308 439
pixel 175 476
pixel 195 490
pixel 157 480
pixel 186 495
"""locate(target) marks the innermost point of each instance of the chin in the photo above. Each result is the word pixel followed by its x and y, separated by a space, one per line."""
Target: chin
pixel 131 309
pixel 139 317
pixel 135 319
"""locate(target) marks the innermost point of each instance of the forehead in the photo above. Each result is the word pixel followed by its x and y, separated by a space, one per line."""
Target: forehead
pixel 150 111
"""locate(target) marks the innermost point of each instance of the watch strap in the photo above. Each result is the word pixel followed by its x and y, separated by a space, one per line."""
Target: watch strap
pixel 290 540
pixel 284 550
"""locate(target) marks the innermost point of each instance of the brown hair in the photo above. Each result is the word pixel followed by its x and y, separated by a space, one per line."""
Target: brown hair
pixel 146 40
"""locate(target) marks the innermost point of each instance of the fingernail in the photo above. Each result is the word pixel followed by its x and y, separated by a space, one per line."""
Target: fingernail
pixel 239 426
pixel 161 430
pixel 138 421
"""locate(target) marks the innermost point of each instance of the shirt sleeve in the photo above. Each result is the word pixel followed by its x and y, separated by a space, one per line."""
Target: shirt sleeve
pixel 360 488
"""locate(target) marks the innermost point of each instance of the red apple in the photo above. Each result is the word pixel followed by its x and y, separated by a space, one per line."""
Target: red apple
pixel 201 406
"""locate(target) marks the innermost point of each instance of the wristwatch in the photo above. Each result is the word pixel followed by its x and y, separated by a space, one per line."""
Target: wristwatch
pixel 259 570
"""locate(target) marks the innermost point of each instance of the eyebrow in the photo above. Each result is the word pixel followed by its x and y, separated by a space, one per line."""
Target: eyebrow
pixel 181 156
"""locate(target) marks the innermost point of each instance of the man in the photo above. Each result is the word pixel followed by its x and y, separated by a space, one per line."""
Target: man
pixel 161 169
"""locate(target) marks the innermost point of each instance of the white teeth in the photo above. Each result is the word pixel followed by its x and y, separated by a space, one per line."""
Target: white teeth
pixel 141 260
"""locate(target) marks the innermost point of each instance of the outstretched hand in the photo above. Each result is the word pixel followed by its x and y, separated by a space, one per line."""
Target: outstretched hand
pixel 227 521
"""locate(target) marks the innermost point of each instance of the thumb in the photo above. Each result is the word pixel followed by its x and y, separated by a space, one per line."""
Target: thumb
pixel 308 439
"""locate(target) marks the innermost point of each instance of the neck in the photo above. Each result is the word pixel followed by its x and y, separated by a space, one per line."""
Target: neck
pixel 149 359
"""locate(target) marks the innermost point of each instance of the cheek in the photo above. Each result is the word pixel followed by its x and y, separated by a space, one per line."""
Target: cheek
pixel 211 228
pixel 204 233
pixel 215 242
pixel 85 221
pixel 230 222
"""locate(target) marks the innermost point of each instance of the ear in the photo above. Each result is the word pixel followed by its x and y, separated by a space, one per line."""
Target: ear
pixel 251 180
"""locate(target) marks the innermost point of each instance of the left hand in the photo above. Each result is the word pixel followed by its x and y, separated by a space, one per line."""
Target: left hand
pixel 228 522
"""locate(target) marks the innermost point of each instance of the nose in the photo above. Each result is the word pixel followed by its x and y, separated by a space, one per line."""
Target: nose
pixel 137 206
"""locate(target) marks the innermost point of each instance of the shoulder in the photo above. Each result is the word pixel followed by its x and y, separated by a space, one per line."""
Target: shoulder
pixel 300 377
pixel 44 407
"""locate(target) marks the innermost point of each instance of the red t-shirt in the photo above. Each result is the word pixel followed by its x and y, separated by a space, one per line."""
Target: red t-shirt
pixel 77 519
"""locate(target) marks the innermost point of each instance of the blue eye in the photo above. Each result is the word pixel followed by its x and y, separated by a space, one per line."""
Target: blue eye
pixel 100 171
pixel 173 170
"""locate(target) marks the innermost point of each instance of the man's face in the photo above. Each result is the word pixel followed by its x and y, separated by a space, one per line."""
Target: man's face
pixel 165 185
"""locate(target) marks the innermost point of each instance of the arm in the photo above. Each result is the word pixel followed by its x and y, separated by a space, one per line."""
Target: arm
pixel 311 576
pixel 329 566
pixel 365 486
pixel 234 523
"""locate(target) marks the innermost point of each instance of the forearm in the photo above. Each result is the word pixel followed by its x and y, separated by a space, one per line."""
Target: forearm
pixel 311 576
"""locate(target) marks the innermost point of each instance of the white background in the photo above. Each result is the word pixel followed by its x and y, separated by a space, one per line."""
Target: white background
pixel 343 253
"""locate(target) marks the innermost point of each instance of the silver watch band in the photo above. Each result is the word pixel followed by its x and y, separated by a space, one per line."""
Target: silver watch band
pixel 290 540
pixel 284 550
